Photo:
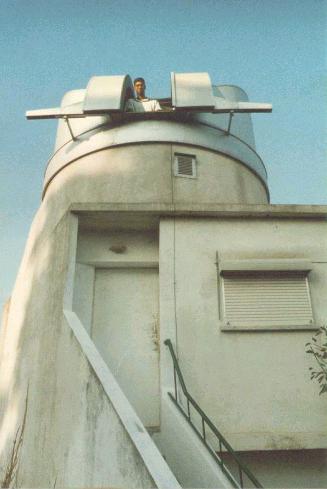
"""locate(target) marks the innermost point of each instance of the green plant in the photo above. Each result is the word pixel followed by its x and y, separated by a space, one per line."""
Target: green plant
pixel 318 348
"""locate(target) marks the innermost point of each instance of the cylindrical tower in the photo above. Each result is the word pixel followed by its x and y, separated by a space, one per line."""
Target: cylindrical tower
pixel 165 157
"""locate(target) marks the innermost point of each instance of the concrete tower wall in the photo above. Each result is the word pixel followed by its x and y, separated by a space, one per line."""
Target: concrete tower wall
pixel 53 402
pixel 144 173
pixel 228 167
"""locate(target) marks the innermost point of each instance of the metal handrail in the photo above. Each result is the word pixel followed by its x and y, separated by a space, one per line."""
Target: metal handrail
pixel 205 421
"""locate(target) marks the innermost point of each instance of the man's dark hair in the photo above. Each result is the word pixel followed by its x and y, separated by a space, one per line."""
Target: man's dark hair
pixel 140 79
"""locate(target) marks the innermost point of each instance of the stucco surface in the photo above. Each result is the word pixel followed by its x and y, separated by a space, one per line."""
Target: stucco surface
pixel 144 173
pixel 148 130
pixel 255 385
pixel 222 369
pixel 288 468
pixel 72 436
pixel 193 465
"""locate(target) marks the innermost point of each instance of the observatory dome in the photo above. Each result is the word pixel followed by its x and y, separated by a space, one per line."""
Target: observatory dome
pixel 199 148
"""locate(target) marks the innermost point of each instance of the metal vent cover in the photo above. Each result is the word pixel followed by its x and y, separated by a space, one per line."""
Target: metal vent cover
pixel 185 166
pixel 267 299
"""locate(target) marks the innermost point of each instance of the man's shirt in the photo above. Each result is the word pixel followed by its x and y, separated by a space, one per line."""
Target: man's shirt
pixel 145 105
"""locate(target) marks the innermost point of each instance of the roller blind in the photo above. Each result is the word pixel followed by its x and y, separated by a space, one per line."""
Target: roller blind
pixel 267 299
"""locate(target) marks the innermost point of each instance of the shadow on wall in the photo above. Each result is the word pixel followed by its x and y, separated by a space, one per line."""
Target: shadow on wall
pixel 29 339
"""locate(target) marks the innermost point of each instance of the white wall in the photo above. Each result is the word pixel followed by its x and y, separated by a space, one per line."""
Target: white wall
pixel 288 468
pixel 254 385
pixel 93 247
pixel 184 452
pixel 116 294
pixel 144 173
pixel 72 436
pixel 94 251
pixel 83 294
pixel 125 330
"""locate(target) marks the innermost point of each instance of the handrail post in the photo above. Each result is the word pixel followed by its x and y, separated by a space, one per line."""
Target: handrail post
pixel 241 475
pixel 220 454
pixel 175 383
pixel 203 430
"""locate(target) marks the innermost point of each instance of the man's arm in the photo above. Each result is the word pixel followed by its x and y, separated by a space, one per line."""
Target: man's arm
pixel 156 106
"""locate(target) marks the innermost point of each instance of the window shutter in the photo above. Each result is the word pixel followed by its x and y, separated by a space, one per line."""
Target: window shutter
pixel 267 299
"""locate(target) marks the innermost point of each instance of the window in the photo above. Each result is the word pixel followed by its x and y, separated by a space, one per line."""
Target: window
pixel 274 298
pixel 185 165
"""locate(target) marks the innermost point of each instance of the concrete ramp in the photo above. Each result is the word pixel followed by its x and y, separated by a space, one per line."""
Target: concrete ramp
pixel 185 454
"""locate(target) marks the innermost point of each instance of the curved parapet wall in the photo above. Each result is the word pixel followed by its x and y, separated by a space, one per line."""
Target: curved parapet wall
pixel 135 174
pixel 241 126
pixel 205 131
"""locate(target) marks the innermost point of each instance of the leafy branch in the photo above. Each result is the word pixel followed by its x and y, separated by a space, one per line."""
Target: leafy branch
pixel 318 348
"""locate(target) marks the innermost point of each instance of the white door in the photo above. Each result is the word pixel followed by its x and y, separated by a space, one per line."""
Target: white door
pixel 125 330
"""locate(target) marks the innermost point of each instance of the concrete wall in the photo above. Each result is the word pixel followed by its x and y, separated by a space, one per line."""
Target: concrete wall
pixel 144 173
pixel 288 468
pixel 114 247
pixel 254 385
pixel 116 297
pixel 191 462
pixel 138 251
pixel 99 250
pixel 51 401
pixel 223 370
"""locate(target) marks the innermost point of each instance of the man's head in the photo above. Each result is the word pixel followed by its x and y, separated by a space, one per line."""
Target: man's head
pixel 139 87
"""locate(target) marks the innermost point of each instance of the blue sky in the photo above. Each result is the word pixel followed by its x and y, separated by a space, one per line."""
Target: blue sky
pixel 275 50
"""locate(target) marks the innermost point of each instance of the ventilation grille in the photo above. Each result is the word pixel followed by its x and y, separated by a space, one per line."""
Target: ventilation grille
pixel 185 166
pixel 267 300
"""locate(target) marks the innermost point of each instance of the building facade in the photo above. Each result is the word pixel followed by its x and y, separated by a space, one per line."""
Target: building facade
pixel 157 227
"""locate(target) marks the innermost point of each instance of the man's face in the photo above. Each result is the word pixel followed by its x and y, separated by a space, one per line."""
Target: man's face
pixel 139 88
